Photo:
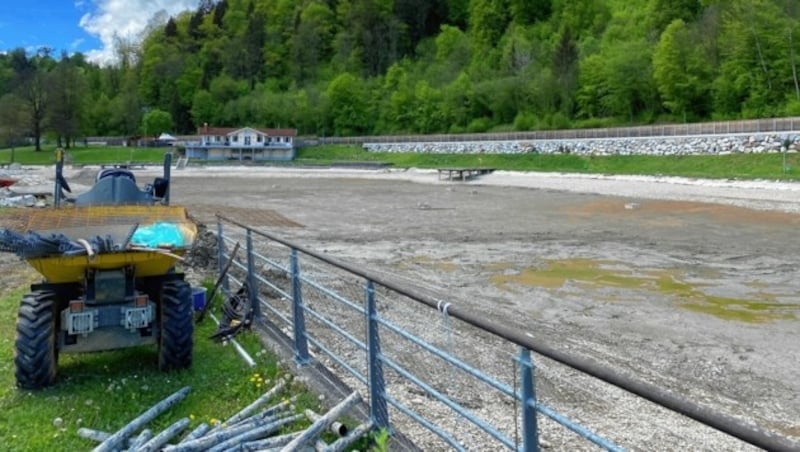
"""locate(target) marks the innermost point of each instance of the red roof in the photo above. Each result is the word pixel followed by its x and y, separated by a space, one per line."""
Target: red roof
pixel 220 131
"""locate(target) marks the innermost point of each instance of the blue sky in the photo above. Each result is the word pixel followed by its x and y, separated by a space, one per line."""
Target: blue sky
pixel 87 26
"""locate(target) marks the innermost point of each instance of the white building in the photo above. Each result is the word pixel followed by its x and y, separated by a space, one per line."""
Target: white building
pixel 247 143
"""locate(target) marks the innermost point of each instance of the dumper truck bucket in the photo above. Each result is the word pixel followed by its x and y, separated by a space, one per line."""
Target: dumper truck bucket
pixel 150 239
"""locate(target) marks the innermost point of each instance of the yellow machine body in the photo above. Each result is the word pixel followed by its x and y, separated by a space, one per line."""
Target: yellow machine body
pixel 117 222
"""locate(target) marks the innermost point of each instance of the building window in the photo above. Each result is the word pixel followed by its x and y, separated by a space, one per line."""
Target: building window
pixel 259 139
pixel 235 138
pixel 217 138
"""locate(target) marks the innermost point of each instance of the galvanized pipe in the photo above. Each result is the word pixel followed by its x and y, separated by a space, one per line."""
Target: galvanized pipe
pixel 115 441
pixel 162 438
pixel 92 434
pixel 344 442
pixel 269 443
pixel 336 427
pixel 249 409
pixel 255 433
pixel 143 437
pixel 199 431
pixel 323 422
pixel 211 440
pixel 239 349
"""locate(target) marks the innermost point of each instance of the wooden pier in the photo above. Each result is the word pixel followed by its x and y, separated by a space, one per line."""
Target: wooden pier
pixel 463 174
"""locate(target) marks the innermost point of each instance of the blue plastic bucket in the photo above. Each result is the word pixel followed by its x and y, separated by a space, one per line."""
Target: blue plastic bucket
pixel 199 298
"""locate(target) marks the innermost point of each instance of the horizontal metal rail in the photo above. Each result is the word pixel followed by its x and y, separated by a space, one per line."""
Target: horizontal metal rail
pixel 352 339
pixel 358 375
pixel 504 388
pixel 450 404
pixel 746 432
pixel 424 422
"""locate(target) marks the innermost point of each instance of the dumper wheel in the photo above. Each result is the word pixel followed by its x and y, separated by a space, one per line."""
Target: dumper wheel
pixel 35 352
pixel 177 324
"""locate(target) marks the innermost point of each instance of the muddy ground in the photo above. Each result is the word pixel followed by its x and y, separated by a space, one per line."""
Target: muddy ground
pixel 696 291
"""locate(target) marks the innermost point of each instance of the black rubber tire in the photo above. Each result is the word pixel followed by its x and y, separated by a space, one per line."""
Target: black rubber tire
pixel 177 326
pixel 35 349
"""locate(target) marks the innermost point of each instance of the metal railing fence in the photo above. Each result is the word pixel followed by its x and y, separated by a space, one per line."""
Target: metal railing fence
pixel 414 354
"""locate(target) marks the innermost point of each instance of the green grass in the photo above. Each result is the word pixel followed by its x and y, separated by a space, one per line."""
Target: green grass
pixel 738 166
pixel 107 390
pixel 91 155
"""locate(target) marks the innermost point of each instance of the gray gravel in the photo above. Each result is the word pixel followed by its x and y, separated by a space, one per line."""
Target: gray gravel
pixel 693 256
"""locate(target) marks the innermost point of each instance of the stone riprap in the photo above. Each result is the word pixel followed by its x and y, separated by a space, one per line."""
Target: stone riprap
pixel 686 145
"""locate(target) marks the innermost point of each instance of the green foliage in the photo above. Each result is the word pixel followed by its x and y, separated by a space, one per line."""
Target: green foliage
pixel 525 121
pixel 156 122
pixel 681 72
pixel 380 441
pixel 467 65
pixel 347 106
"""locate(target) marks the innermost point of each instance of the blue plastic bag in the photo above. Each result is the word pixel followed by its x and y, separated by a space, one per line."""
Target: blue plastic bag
pixel 158 235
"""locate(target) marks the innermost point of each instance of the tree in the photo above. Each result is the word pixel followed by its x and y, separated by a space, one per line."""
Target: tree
pixel 156 122
pixel 530 11
pixel 664 12
pixel 31 87
pixel 420 19
pixel 12 120
pixel 347 106
pixel 67 91
pixel 368 44
pixel 311 40
pixel 681 73
pixel 252 46
pixel 488 20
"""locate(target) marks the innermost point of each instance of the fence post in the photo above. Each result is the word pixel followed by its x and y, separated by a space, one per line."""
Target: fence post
pixel 221 257
pixel 377 404
pixel 252 282
pixel 530 429
pixel 300 342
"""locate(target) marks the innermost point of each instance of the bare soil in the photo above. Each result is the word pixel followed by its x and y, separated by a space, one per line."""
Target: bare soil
pixel 694 291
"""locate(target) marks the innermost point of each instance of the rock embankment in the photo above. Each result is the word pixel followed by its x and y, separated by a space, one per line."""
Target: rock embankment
pixel 685 145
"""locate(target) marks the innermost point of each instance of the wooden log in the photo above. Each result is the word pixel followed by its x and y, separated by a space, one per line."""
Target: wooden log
pixel 114 441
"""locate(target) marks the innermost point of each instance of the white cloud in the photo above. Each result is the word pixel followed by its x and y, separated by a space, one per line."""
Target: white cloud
pixel 76 43
pixel 124 19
